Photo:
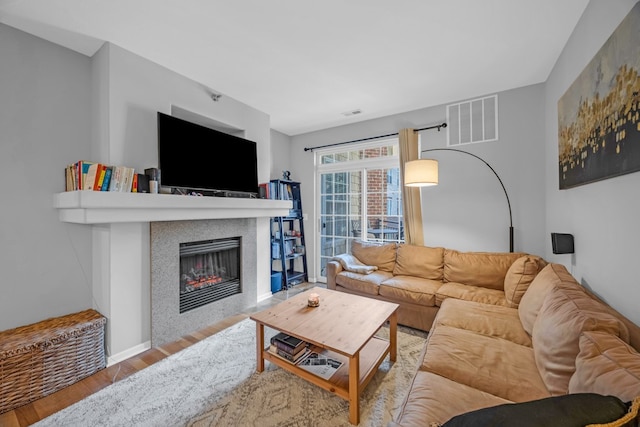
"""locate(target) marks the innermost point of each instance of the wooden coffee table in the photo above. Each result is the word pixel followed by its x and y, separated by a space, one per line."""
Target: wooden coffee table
pixel 343 327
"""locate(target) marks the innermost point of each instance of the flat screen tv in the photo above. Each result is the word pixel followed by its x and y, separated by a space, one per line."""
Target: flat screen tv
pixel 197 158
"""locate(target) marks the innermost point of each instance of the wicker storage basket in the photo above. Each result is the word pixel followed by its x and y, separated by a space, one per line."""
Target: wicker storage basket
pixel 39 359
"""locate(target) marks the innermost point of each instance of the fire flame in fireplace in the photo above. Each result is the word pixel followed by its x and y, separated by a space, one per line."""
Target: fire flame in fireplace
pixel 197 279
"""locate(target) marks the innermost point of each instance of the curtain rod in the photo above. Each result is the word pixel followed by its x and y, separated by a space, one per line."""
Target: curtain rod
pixel 442 125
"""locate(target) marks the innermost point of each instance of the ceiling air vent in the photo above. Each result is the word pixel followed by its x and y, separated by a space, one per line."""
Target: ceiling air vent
pixel 473 121
pixel 352 112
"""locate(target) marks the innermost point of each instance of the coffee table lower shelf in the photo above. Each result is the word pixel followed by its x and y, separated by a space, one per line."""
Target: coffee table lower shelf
pixel 370 357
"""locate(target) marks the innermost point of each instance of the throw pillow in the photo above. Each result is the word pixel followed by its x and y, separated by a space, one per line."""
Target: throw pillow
pixel 571 410
pixel 519 277
pixel 351 263
pixel 606 365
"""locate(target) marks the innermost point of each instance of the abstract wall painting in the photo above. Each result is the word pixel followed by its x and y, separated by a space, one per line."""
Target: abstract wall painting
pixel 599 115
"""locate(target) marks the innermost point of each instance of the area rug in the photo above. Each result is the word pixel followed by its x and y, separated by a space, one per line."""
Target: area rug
pixel 214 383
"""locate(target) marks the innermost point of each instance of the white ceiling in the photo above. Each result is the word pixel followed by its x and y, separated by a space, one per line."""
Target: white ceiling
pixel 306 62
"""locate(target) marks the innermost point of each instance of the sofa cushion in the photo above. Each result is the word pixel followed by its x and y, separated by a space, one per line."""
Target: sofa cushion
pixel 382 256
pixel 419 261
pixel 606 365
pixel 567 312
pixel 485 269
pixel 363 283
pixel 414 290
pixel 485 319
pixel 493 365
pixel 470 293
pixel 519 277
pixel 435 399
pixel 531 302
pixel 561 411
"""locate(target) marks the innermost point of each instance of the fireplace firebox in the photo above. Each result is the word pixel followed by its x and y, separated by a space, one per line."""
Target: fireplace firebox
pixel 209 271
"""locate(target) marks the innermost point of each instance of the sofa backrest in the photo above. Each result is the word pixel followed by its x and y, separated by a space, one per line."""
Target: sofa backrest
pixel 567 312
pixel 382 256
pixel 579 341
pixel 634 330
pixel 552 275
pixel 484 269
pixel 419 261
pixel 606 365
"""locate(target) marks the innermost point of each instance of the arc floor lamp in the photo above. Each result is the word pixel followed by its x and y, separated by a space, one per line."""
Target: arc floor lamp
pixel 424 172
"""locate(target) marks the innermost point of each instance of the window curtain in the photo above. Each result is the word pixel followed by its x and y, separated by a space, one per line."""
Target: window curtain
pixel 411 207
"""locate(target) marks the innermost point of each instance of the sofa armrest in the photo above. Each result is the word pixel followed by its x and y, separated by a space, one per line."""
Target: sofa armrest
pixel 333 268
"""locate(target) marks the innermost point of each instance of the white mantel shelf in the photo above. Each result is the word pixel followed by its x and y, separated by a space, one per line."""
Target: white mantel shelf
pixel 96 207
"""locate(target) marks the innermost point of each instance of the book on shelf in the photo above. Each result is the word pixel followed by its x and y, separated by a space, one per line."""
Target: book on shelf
pixel 275 250
pixel 81 170
pixel 293 358
pixel 263 190
pixel 292 352
pixel 271 190
pixel 126 179
pixel 290 344
pixel 95 176
pixel 121 179
pixel 89 178
pixel 134 183
pixel 288 247
pixel 285 191
pixel 107 178
pixel 116 178
pixel 102 169
pixel 69 184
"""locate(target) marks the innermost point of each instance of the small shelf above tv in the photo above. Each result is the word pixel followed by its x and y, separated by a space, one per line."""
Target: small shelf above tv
pixel 97 207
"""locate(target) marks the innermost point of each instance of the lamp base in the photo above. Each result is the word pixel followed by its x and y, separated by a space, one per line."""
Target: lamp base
pixel 511 239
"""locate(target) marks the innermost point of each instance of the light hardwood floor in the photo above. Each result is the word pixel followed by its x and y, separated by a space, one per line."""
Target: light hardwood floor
pixel 35 411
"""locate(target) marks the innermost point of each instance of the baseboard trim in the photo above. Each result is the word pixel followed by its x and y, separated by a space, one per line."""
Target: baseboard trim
pixel 130 352
pixel 264 296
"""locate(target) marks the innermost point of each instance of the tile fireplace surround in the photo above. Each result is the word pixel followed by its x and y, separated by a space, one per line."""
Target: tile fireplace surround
pixel 167 323
pixel 123 226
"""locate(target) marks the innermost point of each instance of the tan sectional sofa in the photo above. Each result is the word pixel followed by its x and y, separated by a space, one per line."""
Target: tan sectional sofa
pixel 544 339
pixel 420 278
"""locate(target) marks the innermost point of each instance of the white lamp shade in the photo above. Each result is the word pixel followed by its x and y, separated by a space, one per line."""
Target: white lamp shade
pixel 421 173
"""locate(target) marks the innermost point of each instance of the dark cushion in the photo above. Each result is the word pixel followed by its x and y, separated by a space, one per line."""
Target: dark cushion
pixel 571 410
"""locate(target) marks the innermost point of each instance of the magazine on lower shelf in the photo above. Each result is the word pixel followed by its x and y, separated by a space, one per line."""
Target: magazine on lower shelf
pixel 319 364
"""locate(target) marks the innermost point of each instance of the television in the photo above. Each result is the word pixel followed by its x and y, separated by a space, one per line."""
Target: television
pixel 196 158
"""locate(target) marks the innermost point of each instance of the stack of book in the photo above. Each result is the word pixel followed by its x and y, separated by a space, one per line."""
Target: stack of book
pixel 86 175
pixel 288 347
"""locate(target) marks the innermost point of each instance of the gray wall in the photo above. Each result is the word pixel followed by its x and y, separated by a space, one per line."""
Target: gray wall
pixel 280 154
pixel 45 123
pixel 602 216
pixel 57 107
pixel 468 210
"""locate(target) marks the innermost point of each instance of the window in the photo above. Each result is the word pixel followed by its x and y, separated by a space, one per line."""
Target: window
pixel 359 197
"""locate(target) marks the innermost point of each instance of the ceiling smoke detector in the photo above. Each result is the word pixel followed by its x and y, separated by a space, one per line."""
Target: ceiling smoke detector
pixel 352 112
